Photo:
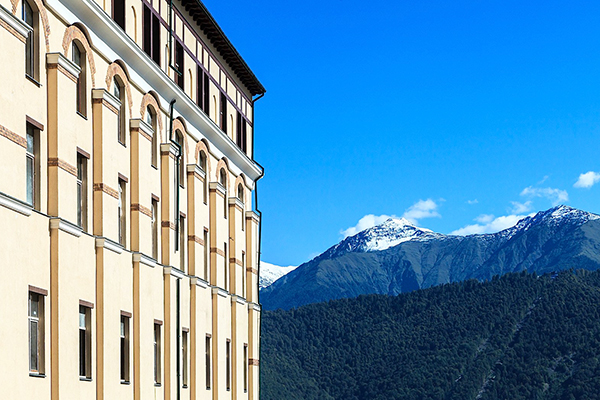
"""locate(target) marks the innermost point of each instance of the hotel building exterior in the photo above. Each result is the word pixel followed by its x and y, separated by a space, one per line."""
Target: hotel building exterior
pixel 129 242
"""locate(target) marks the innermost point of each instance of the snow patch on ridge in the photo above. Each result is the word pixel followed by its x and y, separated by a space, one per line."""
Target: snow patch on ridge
pixel 269 273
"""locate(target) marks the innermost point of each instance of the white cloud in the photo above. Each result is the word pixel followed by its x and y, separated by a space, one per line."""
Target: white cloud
pixel 520 208
pixel 474 201
pixel 421 209
pixel 587 180
pixel 485 218
pixel 492 225
pixel 366 222
pixel 556 196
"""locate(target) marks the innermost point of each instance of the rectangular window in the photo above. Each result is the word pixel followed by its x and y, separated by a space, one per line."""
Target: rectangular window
pixel 206 247
pixel 243 274
pixel 182 237
pixel 184 356
pixel 245 367
pixel 79 60
pixel 228 364
pixel 125 348
pixel 151 33
pixel 206 93
pixel 85 342
pixel 122 212
pixel 36 333
pixel 238 130
pixel 225 264
pixel 157 353
pixel 179 64
pixel 223 112
pixel 155 229
pixel 32 160
pixel 118 12
pixel 207 360
pixel 82 191
pixel 31 19
pixel 244 137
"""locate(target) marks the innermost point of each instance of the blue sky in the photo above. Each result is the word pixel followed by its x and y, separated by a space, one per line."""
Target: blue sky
pixel 462 115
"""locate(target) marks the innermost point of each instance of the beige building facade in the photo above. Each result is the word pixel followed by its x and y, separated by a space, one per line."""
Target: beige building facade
pixel 130 242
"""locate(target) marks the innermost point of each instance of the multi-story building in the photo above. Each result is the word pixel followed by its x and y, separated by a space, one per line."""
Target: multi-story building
pixel 129 241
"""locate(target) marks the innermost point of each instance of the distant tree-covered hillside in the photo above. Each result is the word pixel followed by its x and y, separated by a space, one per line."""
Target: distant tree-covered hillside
pixel 515 337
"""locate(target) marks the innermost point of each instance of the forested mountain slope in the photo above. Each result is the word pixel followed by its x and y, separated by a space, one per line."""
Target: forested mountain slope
pixel 518 336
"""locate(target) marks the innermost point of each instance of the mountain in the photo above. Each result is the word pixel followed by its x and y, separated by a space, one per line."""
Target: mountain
pixel 269 273
pixel 519 337
pixel 397 257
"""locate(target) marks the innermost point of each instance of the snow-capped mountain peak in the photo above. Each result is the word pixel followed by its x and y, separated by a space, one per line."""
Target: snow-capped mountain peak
pixel 388 234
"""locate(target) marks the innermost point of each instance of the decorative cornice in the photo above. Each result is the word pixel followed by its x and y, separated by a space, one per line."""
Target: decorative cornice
pixel 66 66
pixel 219 291
pixel 14 25
pixel 177 273
pixel 217 187
pixel 237 299
pixel 145 129
pixel 218 251
pixel 107 99
pixel 108 244
pixel 15 205
pixel 194 238
pixel 253 270
pixel 170 149
pixel 168 224
pixel 253 216
pixel 196 170
pixel 237 203
pixel 202 283
pixel 255 307
pixel 65 226
pixel 144 259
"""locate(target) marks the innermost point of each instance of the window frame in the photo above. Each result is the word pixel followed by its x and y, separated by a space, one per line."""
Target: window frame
pixel 157 353
pixel 184 356
pixel 37 296
pixel 125 345
pixel 31 41
pixel 85 342
pixel 122 212
pixel 119 93
pixel 208 361
pixel 78 56
pixel 32 166
pixel 82 197
pixel 119 19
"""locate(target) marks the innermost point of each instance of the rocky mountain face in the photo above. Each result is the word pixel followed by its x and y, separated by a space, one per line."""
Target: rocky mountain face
pixel 397 257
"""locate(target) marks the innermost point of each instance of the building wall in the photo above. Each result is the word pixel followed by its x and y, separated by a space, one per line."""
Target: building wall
pixel 200 277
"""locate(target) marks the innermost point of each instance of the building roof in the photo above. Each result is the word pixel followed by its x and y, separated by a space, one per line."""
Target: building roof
pixel 217 37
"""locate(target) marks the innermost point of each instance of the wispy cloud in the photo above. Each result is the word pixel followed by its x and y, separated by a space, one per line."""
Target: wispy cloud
pixel 474 201
pixel 520 208
pixel 366 222
pixel 587 180
pixel 422 209
pixel 556 196
pixel 489 224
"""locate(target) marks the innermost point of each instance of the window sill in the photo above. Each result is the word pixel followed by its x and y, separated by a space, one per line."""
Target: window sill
pixel 36 375
pixel 125 382
pixel 154 166
pixel 33 80
pixel 184 386
pixel 85 379
pixel 157 384
pixel 122 144
pixel 81 115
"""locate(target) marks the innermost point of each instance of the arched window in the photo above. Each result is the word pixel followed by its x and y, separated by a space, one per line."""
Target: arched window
pixel 30 17
pixel 179 140
pixel 151 120
pixel 202 162
pixel 223 181
pixel 119 93
pixel 79 60
pixel 240 192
